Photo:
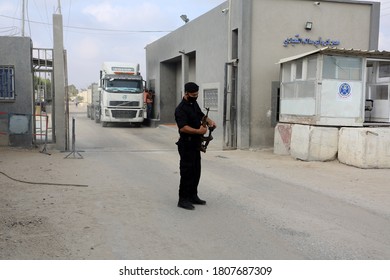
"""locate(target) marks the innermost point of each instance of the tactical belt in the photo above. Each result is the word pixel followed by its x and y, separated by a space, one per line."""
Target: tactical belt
pixel 189 138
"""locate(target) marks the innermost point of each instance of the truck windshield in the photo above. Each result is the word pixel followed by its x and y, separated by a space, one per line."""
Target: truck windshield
pixel 127 86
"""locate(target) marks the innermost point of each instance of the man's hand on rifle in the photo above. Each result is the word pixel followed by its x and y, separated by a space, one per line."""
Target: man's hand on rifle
pixel 211 123
pixel 202 130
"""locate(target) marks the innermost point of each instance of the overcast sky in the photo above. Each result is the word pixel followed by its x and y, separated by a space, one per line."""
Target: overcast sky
pixel 115 30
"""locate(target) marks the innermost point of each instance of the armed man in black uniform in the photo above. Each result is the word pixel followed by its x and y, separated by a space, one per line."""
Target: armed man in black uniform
pixel 189 117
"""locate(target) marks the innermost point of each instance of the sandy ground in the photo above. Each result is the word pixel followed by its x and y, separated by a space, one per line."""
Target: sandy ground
pixel 26 208
pixel 35 214
pixel 260 205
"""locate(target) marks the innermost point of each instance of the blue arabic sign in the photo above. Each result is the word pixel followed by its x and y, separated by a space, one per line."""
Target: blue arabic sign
pixel 307 41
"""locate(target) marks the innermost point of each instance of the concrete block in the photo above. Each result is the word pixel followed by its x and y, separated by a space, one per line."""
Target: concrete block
pixel 314 143
pixel 282 139
pixel 365 147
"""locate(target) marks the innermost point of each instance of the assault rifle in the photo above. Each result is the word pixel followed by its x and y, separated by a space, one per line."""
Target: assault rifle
pixel 205 140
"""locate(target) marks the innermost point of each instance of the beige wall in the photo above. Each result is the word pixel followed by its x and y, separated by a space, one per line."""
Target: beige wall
pixel 280 19
pixel 262 27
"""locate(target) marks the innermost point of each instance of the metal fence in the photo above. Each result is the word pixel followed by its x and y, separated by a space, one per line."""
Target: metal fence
pixel 25 129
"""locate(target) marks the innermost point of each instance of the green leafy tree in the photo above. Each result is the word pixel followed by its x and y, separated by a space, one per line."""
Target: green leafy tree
pixel 80 98
pixel 72 92
pixel 42 89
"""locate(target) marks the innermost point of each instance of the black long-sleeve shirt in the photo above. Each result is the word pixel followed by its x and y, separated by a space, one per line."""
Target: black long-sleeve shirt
pixel 188 113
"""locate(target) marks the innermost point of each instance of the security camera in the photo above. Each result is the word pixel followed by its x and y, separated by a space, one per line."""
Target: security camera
pixel 224 11
pixel 317 3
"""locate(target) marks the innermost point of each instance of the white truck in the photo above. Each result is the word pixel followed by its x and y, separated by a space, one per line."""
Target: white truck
pixel 121 94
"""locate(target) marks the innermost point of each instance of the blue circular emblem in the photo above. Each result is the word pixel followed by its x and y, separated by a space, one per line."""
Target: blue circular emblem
pixel 344 90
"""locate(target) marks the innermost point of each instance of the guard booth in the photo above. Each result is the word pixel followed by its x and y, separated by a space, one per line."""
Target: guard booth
pixel 336 87
pixel 334 103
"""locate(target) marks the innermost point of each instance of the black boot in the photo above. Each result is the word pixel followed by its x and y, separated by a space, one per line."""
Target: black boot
pixel 196 200
pixel 186 204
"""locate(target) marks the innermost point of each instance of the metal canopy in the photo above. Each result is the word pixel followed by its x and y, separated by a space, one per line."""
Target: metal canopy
pixel 336 51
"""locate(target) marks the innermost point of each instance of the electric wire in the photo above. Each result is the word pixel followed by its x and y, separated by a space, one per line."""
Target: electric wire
pixel 70 7
pixel 28 18
pixel 41 16
pixel 95 29
pixel 18 29
pixel 10 30
pixel 42 183
pixel 47 18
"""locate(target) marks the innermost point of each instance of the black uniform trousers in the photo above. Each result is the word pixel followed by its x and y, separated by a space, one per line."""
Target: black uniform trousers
pixel 190 168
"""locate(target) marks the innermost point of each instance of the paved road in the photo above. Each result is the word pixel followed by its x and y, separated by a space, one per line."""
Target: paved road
pixel 259 205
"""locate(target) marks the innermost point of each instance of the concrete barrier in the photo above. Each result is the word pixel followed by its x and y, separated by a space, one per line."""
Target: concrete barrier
pixel 314 143
pixel 356 146
pixel 365 147
pixel 282 139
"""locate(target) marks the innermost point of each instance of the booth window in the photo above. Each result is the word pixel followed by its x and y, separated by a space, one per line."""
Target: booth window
pixel 299 78
pixel 287 77
pixel 299 70
pixel 312 68
pixel 7 83
pixel 384 69
pixel 342 68
pixel 379 92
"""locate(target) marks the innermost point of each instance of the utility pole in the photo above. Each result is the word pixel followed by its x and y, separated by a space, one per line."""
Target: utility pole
pixel 60 117
pixel 59 6
pixel 23 5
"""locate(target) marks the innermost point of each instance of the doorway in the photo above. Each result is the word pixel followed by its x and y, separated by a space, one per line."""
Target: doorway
pixel 43 94
pixel 230 107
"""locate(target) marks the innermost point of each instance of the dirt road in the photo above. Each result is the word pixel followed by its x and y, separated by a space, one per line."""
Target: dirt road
pixel 119 202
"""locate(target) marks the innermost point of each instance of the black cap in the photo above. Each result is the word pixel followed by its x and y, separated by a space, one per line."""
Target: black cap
pixel 191 87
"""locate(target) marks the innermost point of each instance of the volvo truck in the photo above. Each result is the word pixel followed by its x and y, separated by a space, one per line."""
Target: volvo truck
pixel 121 91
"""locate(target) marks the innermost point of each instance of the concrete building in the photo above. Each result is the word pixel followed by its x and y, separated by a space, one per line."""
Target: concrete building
pixel 16 86
pixel 32 81
pixel 232 53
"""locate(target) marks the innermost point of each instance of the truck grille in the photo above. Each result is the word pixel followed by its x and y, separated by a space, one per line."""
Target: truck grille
pixel 125 103
pixel 124 114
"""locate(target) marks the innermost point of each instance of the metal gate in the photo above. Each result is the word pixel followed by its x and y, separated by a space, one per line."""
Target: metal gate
pixel 43 96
